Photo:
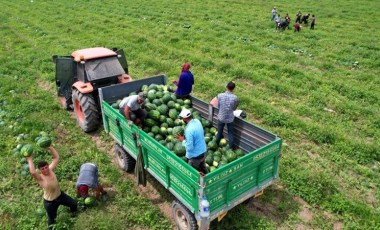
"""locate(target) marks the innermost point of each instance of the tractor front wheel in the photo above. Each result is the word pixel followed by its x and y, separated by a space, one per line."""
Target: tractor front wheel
pixel 86 111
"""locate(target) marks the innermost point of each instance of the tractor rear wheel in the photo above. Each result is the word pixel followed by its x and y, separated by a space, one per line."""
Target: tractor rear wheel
pixel 86 111
pixel 124 159
pixel 184 219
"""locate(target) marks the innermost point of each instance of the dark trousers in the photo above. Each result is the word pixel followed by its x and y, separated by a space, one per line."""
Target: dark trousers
pixel 312 26
pixel 51 207
pixel 199 163
pixel 230 132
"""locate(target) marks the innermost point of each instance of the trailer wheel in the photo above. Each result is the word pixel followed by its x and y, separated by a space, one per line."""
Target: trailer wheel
pixel 182 216
pixel 124 159
pixel 86 111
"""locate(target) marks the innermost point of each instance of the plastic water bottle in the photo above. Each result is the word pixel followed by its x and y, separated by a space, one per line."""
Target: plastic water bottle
pixel 205 208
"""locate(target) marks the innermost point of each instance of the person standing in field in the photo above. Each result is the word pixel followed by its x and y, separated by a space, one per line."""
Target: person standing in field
pixel 89 178
pixel 298 16
pixel 312 22
pixel 227 103
pixel 287 18
pixel 193 141
pixel 274 13
pixel 185 82
pixel 277 21
pixel 53 196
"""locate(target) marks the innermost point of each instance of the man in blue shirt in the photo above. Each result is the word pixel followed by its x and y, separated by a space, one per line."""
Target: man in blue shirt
pixel 227 103
pixel 185 82
pixel 194 141
pixel 89 178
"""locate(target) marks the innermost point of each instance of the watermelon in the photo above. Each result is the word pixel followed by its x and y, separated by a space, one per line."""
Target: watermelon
pixel 213 130
pixel 178 122
pixel 239 153
pixel 149 122
pixel 178 130
pixel 187 102
pixel 150 106
pixel 171 104
pixel 154 114
pixel 178 107
pixel 212 145
pixel 180 101
pixel 170 130
pixel 157 102
pixel 170 121
pixel 231 156
pixel 115 105
pixel 163 109
pixel 44 142
pixel 153 86
pixel 162 118
pixel 90 201
pixel 162 142
pixel 144 88
pixel 223 142
pixel 169 145
pixel 163 131
pixel 169 137
pixel 165 125
pixel 174 97
pixel 222 162
pixel 151 96
pixel 179 149
pixel 173 113
pixel 155 129
pixel 27 150
pixel 166 98
pixel 209 159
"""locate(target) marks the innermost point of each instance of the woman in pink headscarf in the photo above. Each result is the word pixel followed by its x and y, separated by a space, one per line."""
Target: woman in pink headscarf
pixel 185 82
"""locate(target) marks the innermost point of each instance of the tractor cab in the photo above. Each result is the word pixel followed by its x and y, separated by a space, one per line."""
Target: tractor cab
pixel 79 76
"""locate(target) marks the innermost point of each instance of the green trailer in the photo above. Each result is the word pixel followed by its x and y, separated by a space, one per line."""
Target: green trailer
pixel 225 187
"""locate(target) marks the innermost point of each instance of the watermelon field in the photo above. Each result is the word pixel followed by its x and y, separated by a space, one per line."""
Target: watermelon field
pixel 318 90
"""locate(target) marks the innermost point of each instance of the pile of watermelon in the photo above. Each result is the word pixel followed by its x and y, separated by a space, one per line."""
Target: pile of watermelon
pixel 163 124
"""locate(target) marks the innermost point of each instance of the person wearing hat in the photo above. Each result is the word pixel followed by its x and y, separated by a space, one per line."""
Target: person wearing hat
pixel 227 103
pixel 132 105
pixel 194 141
pixel 185 82
pixel 89 178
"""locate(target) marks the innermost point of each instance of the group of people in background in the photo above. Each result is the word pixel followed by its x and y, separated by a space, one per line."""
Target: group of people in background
pixel 283 23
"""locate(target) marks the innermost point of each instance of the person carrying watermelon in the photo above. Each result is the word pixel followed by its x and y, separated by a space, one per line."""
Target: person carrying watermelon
pixel 89 178
pixel 185 82
pixel 130 107
pixel 194 141
pixel 227 103
pixel 53 196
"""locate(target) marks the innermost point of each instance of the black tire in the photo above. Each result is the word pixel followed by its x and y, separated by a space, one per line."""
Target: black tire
pixel 124 159
pixel 182 216
pixel 86 111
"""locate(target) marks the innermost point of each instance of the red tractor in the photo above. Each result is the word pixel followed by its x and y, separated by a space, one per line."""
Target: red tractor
pixel 79 76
